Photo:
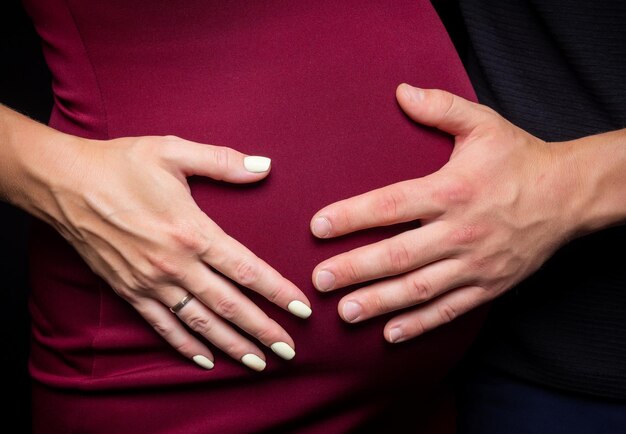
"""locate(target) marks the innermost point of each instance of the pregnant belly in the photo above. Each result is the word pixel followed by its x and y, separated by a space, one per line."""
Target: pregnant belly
pixel 314 90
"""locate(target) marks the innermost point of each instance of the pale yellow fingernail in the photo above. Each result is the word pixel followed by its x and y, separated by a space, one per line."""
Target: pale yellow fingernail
pixel 283 350
pixel 299 309
pixel 253 361
pixel 203 362
pixel 256 164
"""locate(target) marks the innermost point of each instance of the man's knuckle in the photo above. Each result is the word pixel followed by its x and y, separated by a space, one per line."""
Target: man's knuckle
pixel 418 326
pixel 419 289
pixel 399 258
pixel 464 235
pixel 376 303
pixel 447 313
pixel 456 191
pixel 351 272
pixel 449 103
pixel 391 206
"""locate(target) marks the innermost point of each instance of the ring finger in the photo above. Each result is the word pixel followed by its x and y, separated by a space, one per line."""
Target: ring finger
pixel 174 333
pixel 227 301
pixel 403 291
pixel 207 324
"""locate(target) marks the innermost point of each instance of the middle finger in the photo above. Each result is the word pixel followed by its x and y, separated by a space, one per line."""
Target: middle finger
pixel 226 300
pixel 396 255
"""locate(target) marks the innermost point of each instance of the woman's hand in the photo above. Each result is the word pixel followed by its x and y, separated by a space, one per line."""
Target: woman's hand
pixel 491 216
pixel 125 205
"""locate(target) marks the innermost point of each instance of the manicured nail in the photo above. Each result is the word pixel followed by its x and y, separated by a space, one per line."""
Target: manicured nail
pixel 283 350
pixel 299 309
pixel 257 164
pixel 320 227
pixel 325 280
pixel 253 361
pixel 414 94
pixel 351 310
pixel 203 362
pixel 396 335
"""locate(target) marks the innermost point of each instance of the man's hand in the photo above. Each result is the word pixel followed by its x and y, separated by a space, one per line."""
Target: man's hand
pixel 490 217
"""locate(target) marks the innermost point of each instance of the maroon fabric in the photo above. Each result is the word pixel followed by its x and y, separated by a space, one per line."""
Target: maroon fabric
pixel 309 84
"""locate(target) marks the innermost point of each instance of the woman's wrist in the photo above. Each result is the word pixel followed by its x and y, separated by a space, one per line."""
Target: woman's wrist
pixel 34 161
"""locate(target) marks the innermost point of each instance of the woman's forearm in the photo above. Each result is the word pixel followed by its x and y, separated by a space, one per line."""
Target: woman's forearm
pixel 33 157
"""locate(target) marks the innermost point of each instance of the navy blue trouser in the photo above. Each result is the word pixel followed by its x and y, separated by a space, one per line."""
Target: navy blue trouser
pixel 493 403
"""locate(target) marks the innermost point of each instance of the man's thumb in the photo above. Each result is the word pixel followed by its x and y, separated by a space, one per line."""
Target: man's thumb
pixel 440 109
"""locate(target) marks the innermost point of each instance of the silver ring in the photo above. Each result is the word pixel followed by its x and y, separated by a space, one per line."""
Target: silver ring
pixel 178 306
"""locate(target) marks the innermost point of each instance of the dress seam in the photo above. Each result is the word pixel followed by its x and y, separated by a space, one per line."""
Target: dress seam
pixel 93 70
pixel 106 130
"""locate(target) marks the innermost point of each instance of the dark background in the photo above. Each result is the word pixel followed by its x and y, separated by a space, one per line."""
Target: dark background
pixel 25 87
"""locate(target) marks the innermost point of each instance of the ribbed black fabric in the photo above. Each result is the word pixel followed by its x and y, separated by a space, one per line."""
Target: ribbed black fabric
pixel 557 68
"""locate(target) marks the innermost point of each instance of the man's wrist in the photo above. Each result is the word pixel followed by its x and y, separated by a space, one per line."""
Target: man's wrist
pixel 596 168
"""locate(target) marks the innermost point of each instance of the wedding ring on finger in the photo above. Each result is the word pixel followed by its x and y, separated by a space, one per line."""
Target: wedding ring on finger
pixel 182 303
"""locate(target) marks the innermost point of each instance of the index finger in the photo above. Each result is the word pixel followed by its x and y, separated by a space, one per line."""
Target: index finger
pixel 396 203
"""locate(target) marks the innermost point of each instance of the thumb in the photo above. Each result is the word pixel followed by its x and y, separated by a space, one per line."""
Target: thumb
pixel 216 162
pixel 440 109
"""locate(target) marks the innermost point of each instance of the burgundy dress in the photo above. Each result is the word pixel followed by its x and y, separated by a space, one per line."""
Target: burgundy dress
pixel 309 84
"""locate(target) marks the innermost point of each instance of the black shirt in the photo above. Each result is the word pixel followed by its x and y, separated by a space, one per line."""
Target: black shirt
pixel 557 68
